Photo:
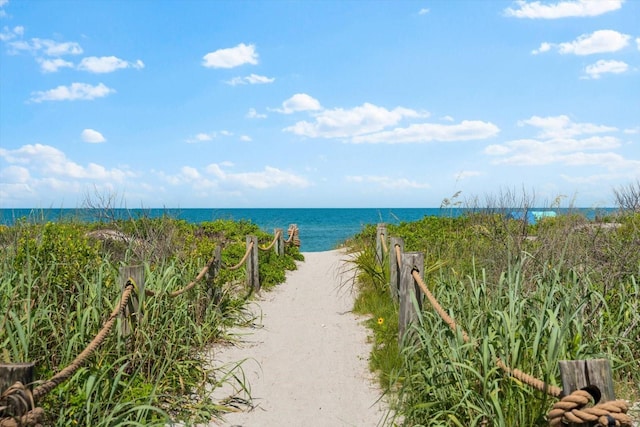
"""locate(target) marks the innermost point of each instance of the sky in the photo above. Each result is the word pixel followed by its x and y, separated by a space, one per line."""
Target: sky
pixel 350 103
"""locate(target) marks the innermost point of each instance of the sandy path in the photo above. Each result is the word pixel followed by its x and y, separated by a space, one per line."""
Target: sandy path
pixel 307 364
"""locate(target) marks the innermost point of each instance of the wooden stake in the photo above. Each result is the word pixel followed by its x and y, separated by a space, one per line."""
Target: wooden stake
pixel 10 373
pixel 409 291
pixel 253 277
pixel 132 312
pixel 394 268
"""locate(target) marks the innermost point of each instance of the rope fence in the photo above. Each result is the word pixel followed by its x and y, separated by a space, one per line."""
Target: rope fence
pixel 18 402
pixel 580 404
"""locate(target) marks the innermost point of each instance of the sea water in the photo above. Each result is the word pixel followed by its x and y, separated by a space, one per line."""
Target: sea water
pixel 321 229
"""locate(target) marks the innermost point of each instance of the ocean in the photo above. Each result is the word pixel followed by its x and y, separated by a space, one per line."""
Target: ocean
pixel 321 229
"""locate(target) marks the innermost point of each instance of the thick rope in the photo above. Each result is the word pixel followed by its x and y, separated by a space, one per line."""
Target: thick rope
pixel 384 243
pixel 573 409
pixel 530 380
pixel 244 258
pixel 32 418
pixel 436 305
pixel 398 256
pixel 275 239
pixel 195 281
pixel 67 372
pixel 293 231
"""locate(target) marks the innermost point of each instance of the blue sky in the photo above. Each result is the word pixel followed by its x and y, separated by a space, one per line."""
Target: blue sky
pixel 317 103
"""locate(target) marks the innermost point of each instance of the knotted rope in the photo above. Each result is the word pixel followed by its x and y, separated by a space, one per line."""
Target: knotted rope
pixel 571 408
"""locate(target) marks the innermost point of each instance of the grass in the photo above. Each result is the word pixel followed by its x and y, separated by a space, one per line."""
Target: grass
pixel 58 285
pixel 565 289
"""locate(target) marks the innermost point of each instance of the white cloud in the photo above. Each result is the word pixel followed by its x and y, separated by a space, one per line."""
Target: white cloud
pixel 638 43
pixel 47 162
pixel 562 9
pixel 53 65
pixel 253 114
pixel 341 123
pixel 77 91
pixel 45 46
pixel 423 11
pixel 299 102
pixel 388 182
pixel 107 64
pixel 467 174
pixel 560 141
pixel 245 138
pixel 563 127
pixel 92 136
pixel 231 57
pixel 600 41
pixel 251 79
pixel 466 130
pixel 268 178
pixel 10 34
pixel 595 71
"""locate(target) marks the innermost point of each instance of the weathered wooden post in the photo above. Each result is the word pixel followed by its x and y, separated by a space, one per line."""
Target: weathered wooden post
pixel 279 241
pixel 394 266
pixel 10 373
pixel 381 234
pixel 253 279
pixel 578 374
pixel 211 275
pixel 132 313
pixel 409 290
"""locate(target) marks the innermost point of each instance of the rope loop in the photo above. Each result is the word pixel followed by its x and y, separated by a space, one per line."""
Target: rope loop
pixel 579 407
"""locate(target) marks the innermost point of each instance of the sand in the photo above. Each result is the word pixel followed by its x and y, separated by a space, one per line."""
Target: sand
pixel 306 359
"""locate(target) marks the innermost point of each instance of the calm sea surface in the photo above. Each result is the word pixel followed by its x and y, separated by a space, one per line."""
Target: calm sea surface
pixel 320 229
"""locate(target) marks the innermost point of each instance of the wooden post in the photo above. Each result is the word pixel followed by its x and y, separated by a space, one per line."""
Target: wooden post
pixel 409 291
pixel 394 268
pixel 253 279
pixel 279 241
pixel 577 374
pixel 10 373
pixel 132 312
pixel 381 233
pixel 210 277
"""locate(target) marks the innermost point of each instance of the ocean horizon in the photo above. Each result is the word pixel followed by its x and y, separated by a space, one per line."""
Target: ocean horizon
pixel 321 229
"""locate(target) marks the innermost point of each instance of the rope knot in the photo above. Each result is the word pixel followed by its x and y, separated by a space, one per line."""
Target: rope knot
pixel 580 407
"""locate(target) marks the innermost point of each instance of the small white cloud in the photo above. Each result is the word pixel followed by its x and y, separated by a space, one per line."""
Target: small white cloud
pixel 253 114
pixel 447 119
pixel 388 182
pixel 92 136
pixel 467 174
pixel 563 127
pixel 268 178
pixel 467 130
pixel 544 47
pixel 245 138
pixel 106 64
pixel 601 41
pixel 562 9
pixel 638 43
pixel 11 33
pixel 231 57
pixel 251 79
pixel 423 11
pixel 595 71
pixel 299 102
pixel 74 92
pixel 53 65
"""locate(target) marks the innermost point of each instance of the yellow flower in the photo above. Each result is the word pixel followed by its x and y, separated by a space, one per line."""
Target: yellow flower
pixel 380 320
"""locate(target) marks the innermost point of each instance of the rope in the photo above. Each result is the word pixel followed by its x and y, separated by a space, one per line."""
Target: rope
pixel 384 243
pixel 572 409
pixel 244 258
pixel 292 230
pixel 196 280
pixel 447 319
pixel 67 372
pixel 275 239
pixel 530 380
pixel 398 255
